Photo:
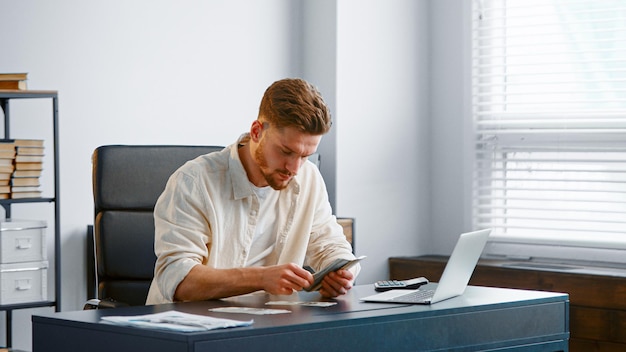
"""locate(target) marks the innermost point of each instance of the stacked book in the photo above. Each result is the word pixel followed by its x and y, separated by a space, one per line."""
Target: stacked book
pixel 27 168
pixel 7 159
pixel 13 81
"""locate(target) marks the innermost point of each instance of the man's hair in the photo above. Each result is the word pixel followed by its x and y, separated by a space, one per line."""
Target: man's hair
pixel 293 102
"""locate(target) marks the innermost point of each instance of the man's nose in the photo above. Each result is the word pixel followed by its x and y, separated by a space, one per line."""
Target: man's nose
pixel 293 164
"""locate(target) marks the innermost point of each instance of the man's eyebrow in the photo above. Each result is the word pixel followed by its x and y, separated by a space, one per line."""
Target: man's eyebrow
pixel 294 152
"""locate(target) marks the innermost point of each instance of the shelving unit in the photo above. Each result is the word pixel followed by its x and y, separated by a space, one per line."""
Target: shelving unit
pixel 5 97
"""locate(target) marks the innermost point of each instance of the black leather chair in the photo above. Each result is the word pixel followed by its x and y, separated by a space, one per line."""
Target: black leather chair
pixel 127 180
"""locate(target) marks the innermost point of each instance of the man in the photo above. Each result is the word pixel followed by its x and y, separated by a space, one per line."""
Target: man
pixel 249 217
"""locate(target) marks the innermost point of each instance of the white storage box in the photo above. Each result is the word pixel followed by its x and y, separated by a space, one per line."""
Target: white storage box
pixel 23 282
pixel 22 241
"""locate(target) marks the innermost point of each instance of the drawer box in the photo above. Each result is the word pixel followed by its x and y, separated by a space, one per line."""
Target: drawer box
pixel 23 282
pixel 22 241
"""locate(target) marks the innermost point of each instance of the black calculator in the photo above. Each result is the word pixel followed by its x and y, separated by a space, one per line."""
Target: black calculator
pixel 411 284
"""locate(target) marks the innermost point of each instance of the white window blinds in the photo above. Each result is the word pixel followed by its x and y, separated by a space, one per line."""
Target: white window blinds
pixel 549 109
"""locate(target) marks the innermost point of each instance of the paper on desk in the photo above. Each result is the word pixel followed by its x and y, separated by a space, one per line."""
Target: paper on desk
pixel 177 321
pixel 249 310
pixel 301 303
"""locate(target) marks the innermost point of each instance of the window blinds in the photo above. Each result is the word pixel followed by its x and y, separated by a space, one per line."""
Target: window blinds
pixel 549 112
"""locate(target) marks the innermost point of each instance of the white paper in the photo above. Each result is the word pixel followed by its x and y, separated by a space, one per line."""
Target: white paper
pixel 249 310
pixel 300 303
pixel 178 321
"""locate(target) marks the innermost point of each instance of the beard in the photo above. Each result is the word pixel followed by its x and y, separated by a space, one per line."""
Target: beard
pixel 277 179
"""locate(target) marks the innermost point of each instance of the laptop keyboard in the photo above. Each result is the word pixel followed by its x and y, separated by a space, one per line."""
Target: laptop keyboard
pixel 416 296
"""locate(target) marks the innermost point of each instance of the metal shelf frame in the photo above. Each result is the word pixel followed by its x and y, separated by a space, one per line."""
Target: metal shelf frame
pixel 5 97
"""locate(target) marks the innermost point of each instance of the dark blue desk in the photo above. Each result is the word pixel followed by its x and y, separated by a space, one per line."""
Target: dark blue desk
pixel 482 319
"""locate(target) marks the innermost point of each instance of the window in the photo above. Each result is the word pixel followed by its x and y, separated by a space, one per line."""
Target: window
pixel 549 113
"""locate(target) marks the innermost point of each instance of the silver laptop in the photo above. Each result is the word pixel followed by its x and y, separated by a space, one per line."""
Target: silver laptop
pixel 454 279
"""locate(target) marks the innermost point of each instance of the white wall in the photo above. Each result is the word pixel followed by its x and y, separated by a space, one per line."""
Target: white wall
pixel 188 72
pixel 318 53
pixel 193 72
pixel 451 164
pixel 383 128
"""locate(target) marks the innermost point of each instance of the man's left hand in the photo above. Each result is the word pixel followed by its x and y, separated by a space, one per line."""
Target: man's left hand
pixel 337 283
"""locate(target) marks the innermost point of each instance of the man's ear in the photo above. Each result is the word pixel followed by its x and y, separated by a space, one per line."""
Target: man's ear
pixel 256 131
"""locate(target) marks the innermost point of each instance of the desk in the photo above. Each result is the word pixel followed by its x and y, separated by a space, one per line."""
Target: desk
pixel 481 319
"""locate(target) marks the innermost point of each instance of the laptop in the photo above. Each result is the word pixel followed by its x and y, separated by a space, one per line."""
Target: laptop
pixel 454 279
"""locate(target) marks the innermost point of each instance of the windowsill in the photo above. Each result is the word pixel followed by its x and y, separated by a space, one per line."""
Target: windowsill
pixel 599 259
pixel 562 266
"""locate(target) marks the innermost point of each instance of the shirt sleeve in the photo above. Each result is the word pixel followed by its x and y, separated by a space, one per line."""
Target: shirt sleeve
pixel 182 235
pixel 327 241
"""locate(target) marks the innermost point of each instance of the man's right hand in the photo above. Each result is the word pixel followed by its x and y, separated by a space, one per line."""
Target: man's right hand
pixel 285 279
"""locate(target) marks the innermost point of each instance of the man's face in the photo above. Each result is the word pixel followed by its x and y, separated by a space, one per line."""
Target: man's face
pixel 281 153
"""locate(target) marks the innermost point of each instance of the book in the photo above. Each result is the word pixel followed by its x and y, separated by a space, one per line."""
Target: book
pixel 21 195
pixel 22 189
pixel 20 76
pixel 5 196
pixel 25 181
pixel 28 166
pixel 7 144
pixel 5 189
pixel 28 143
pixel 6 168
pixel 7 154
pixel 25 173
pixel 13 85
pixel 13 81
pixel 5 178
pixel 22 150
pixel 27 158
pixel 6 161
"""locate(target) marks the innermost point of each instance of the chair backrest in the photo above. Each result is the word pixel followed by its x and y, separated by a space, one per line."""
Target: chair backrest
pixel 127 180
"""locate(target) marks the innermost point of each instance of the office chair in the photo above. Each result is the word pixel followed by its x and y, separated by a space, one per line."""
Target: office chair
pixel 127 180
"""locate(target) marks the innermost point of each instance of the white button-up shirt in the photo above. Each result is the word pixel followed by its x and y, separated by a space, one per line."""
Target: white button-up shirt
pixel 208 212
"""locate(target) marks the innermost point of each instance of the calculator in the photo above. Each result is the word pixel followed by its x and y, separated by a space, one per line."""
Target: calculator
pixel 386 285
